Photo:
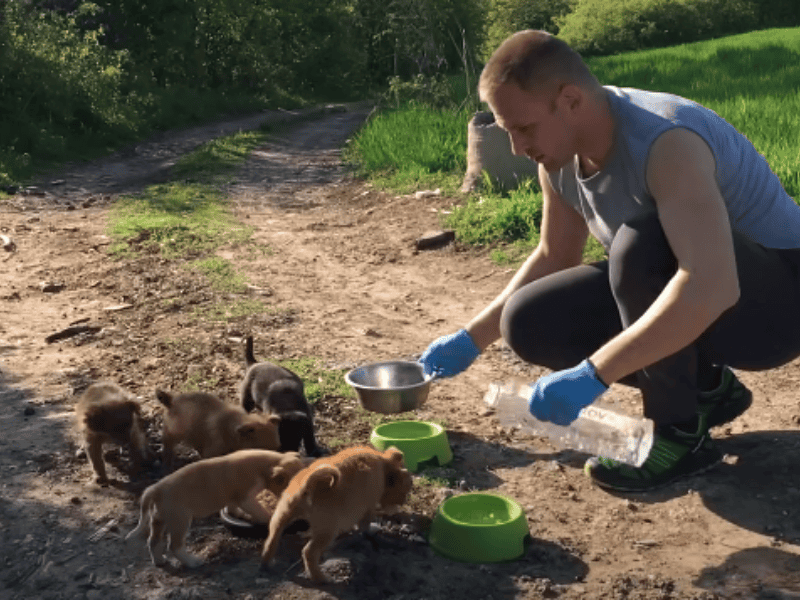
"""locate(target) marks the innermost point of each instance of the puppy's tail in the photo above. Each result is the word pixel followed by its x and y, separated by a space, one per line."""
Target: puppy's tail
pixel 142 530
pixel 321 477
pixel 249 357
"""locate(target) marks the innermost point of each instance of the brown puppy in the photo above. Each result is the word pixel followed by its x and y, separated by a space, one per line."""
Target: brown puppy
pixel 106 413
pixel 205 487
pixel 334 494
pixel 277 390
pixel 213 427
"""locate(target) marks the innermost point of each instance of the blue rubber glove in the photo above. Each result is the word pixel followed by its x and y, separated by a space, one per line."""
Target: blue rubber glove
pixel 560 396
pixel 450 354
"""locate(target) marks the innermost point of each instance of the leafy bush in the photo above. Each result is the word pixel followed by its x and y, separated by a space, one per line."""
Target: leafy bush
pixel 505 17
pixel 55 84
pixel 597 27
pixel 433 91
pixel 776 13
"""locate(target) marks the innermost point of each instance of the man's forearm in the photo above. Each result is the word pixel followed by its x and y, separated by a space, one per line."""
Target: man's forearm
pixel 680 314
pixel 485 327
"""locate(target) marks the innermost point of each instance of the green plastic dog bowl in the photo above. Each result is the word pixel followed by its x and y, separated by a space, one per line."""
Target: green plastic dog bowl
pixel 479 528
pixel 419 441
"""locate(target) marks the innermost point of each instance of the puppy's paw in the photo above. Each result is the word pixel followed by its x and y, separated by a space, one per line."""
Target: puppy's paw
pixel 266 565
pixel 159 561
pixel 189 560
pixel 319 578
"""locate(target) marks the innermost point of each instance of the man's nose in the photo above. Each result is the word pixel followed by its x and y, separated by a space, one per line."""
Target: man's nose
pixel 518 145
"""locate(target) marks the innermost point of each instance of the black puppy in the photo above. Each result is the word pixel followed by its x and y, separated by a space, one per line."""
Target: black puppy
pixel 276 390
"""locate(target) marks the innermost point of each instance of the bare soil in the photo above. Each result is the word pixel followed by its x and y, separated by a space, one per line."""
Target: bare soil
pixel 335 263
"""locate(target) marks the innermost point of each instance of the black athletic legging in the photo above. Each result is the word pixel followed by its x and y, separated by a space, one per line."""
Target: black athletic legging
pixel 559 320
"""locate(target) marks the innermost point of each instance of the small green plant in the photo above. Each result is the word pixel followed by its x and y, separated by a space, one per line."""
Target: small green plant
pixel 231 310
pixel 197 380
pixel 212 161
pixel 434 91
pixel 437 478
pixel 319 381
pixel 221 274
pixel 175 219
pixel 494 217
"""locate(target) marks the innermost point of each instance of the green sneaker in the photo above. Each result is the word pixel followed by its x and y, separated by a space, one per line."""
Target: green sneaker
pixel 725 403
pixel 675 454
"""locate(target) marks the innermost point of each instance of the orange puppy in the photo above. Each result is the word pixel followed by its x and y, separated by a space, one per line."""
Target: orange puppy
pixel 205 487
pixel 333 495
pixel 213 427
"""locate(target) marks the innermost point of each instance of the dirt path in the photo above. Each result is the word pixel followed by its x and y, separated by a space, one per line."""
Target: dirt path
pixel 335 264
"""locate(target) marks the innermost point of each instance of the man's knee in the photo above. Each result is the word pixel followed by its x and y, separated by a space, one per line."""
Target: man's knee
pixel 641 261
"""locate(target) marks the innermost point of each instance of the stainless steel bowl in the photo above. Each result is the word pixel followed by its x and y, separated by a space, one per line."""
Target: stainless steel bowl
pixel 391 386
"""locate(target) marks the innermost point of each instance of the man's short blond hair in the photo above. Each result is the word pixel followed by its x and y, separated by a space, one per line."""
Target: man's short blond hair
pixel 535 61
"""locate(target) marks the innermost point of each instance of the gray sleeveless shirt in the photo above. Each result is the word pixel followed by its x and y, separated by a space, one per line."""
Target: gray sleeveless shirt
pixel 758 206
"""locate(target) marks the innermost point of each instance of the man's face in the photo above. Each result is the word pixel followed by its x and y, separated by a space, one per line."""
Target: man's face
pixel 535 126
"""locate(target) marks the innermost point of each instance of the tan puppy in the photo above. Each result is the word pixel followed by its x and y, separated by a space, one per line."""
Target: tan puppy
pixel 213 427
pixel 106 413
pixel 334 494
pixel 205 487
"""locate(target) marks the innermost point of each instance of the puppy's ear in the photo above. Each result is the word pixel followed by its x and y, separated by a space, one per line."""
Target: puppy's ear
pixel 394 457
pixel 245 430
pixel 164 397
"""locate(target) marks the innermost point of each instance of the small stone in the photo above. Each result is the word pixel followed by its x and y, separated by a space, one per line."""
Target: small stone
pixel 435 239
pixel 51 287
pixel 75 500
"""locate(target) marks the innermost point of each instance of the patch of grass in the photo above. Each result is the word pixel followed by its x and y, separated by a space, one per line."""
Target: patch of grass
pixel 198 381
pixel 373 419
pixel 212 161
pixel 231 310
pixel 176 219
pixel 221 274
pixel 318 381
pixel 433 481
pixel 420 140
pixel 186 217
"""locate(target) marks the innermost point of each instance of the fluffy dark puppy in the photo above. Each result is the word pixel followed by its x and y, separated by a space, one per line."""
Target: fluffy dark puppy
pixel 276 390
pixel 106 413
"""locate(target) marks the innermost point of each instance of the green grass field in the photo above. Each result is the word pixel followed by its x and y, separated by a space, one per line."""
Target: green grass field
pixel 751 80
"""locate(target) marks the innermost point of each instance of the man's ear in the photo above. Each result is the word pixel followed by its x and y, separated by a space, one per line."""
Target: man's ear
pixel 571 97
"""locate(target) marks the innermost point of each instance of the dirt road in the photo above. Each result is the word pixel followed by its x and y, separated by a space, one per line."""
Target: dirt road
pixel 334 262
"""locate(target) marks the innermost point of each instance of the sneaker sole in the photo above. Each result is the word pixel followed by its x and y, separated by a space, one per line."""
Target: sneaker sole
pixel 622 488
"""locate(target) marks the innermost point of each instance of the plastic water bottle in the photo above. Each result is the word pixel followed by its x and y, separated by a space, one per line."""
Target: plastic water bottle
pixel 598 430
